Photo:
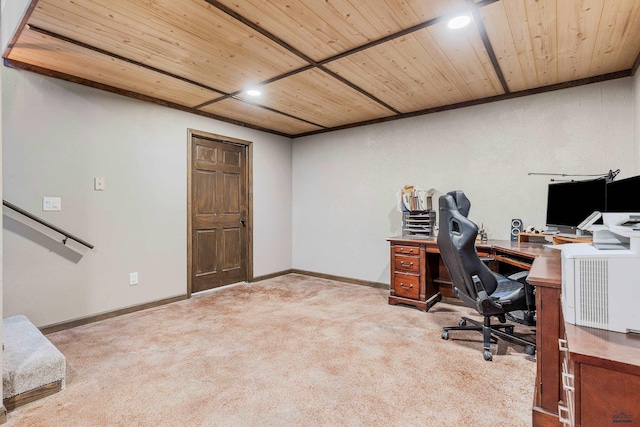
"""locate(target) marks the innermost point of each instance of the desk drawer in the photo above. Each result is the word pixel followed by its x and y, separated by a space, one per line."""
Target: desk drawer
pixel 407 250
pixel 407 263
pixel 483 253
pixel 406 285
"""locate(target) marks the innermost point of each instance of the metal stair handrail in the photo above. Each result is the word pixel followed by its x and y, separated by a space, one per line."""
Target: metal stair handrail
pixel 47 224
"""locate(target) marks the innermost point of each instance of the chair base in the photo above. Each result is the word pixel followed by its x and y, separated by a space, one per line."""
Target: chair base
pixel 490 334
pixel 527 318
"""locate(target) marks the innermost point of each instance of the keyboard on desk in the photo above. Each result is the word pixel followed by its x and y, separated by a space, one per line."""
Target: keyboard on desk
pixel 513 259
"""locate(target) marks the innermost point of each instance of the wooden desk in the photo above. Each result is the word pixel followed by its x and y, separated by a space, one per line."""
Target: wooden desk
pixel 544 265
pixel 605 365
pixel 412 273
pixel 418 275
pixel 534 237
pixel 546 276
pixel 552 238
pixel 602 371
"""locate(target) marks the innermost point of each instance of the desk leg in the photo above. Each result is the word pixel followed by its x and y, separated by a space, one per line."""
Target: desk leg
pixel 437 297
pixel 431 294
pixel 548 330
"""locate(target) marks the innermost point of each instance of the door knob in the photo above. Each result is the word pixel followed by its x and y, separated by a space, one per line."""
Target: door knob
pixel 242 220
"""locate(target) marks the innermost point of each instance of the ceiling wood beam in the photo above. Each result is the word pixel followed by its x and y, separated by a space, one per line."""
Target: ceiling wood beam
pixel 21 27
pixel 122 58
pixel 294 51
pixel 235 15
pixel 157 70
pixel 273 110
pixel 318 64
pixel 384 39
pixel 90 83
pixel 265 82
pixel 394 36
pixel 484 3
pixel 359 89
pixel 635 65
pixel 487 44
pixel 511 95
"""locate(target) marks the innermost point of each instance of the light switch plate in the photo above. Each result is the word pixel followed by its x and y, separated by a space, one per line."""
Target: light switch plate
pixel 99 184
pixel 133 278
pixel 51 204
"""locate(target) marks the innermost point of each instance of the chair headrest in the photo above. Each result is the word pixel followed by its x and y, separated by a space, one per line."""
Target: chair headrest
pixel 462 202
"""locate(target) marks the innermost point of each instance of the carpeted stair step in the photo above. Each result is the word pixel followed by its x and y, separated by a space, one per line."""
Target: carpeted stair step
pixel 32 367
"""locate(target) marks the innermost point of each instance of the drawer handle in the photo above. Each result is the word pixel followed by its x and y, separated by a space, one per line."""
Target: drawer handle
pixel 402 285
pixel 410 250
pixel 562 411
pixel 405 265
pixel 562 344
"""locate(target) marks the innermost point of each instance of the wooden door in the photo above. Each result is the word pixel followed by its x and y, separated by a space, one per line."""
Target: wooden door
pixel 219 214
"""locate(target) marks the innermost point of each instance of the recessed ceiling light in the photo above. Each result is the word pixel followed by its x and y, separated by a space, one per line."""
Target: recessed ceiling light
pixel 459 22
pixel 254 92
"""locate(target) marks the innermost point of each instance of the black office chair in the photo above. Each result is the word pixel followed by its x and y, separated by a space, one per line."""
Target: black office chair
pixel 491 294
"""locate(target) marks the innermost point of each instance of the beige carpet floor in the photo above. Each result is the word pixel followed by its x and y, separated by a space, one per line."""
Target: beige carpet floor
pixel 289 351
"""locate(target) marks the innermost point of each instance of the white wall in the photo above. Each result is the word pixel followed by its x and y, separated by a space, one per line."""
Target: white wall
pixel 58 136
pixel 345 183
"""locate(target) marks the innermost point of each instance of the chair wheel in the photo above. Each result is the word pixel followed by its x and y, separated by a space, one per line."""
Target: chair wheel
pixel 462 322
pixel 445 335
pixel 530 350
pixel 487 355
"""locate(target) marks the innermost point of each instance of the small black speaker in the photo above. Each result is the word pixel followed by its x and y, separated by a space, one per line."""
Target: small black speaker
pixel 516 228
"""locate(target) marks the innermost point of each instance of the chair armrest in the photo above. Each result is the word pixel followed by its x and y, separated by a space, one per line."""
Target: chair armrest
pixel 485 305
pixel 519 275
pixel 477 283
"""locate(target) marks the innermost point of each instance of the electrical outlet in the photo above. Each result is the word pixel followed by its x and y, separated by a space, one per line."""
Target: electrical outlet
pixel 133 278
pixel 99 184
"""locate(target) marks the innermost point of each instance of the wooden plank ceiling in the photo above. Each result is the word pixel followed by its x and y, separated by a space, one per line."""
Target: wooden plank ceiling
pixel 326 65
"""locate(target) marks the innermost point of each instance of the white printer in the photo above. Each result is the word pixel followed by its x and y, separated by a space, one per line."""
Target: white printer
pixel 601 287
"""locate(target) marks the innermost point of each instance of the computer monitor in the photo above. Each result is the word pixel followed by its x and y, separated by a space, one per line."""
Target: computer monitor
pixel 624 195
pixel 569 203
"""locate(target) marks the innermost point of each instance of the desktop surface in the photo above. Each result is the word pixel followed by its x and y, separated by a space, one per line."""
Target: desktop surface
pixel 530 250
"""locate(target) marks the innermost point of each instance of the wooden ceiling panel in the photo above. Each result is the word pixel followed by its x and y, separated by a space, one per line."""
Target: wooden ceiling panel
pixel 577 32
pixel 511 45
pixel 618 38
pixel 321 29
pixel 329 64
pixel 244 112
pixel 54 54
pixel 318 98
pixel 545 42
pixel 524 36
pixel 468 59
pixel 190 38
pixel 428 68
